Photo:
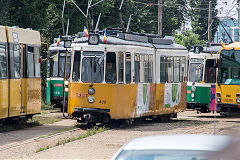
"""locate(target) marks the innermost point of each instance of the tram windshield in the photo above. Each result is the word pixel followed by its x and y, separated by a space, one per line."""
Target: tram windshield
pixel 58 65
pixel 196 70
pixel 229 69
pixel 92 67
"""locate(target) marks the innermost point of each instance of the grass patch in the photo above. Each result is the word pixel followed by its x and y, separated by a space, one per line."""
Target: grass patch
pixel 89 133
pixel 42 149
pixel 45 120
pixel 46 106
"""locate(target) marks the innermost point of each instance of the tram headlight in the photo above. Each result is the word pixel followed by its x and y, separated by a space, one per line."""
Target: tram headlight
pixel 91 91
pixel 91 99
pixel 193 88
pixel 238 100
pixel 66 83
pixel 218 97
pixel 238 97
pixel 192 95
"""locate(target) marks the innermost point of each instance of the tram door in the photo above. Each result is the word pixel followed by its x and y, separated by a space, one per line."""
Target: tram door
pixel 16 106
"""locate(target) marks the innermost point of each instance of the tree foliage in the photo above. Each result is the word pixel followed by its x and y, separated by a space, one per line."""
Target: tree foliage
pixel 188 39
pixel 46 15
pixel 199 17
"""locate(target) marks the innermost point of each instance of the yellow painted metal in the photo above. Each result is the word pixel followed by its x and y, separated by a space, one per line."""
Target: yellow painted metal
pixel 121 99
pixel 228 93
pixel 15 98
pixel 32 95
pixel 4 98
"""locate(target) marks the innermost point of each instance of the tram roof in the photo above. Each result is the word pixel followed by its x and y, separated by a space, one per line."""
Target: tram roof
pixel 235 45
pixel 119 41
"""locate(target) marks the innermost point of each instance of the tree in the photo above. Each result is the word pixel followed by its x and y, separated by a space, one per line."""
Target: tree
pixel 199 17
pixel 188 39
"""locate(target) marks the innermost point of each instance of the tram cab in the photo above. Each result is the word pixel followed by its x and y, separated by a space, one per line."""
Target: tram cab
pixel 128 77
pixel 202 74
pixel 56 72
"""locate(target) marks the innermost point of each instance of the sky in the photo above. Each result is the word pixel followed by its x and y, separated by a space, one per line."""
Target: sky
pixel 227 8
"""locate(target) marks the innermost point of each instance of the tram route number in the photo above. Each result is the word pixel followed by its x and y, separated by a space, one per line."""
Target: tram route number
pixel 103 102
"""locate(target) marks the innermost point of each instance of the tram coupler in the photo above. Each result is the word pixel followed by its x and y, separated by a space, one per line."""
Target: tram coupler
pixel 88 118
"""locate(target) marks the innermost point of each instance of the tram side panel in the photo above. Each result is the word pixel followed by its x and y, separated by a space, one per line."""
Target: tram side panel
pixel 124 101
pixel 4 83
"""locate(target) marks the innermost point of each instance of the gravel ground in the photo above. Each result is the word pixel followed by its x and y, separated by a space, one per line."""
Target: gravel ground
pixel 104 145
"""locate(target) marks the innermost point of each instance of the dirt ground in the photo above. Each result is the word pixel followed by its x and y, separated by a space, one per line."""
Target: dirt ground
pixel 105 144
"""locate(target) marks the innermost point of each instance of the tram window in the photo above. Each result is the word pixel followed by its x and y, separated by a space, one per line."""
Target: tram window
pixel 30 61
pixel 150 68
pixel 17 61
pixel 76 66
pixel 163 70
pixel 36 60
pixel 210 71
pixel 142 80
pixel 111 74
pixel 195 72
pixel 54 65
pixel 137 67
pixel 92 68
pixel 176 65
pixel 128 68
pixel 182 68
pixel 170 69
pixel 120 67
pixel 3 61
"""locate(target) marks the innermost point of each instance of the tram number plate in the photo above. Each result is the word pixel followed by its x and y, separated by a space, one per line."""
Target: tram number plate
pixel 102 102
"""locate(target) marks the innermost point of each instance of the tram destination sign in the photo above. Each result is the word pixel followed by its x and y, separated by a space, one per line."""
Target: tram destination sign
pixel 93 39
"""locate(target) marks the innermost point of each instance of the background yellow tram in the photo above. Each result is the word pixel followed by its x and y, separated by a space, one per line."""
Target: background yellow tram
pixel 20 79
pixel 126 78
pixel 228 86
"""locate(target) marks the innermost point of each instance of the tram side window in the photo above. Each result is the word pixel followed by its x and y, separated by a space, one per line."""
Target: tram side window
pixel 30 61
pixel 36 60
pixel 111 74
pixel 128 68
pixel 137 67
pixel 120 67
pixel 76 67
pixel 148 66
pixel 170 69
pixel 182 68
pixel 163 69
pixel 17 61
pixel 142 80
pixel 176 65
pixel 210 71
pixel 3 61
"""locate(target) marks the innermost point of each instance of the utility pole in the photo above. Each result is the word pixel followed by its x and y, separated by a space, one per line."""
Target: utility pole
pixel 160 18
pixel 209 22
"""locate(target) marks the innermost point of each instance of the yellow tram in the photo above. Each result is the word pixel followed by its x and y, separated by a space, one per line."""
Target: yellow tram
pixel 128 77
pixel 228 83
pixel 20 79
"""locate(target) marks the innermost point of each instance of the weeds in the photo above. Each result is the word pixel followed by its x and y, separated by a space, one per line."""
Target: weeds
pixel 42 149
pixel 90 132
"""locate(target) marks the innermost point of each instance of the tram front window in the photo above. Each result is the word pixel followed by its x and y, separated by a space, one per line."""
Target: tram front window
pixel 196 70
pixel 229 70
pixel 54 65
pixel 92 67
pixel 62 60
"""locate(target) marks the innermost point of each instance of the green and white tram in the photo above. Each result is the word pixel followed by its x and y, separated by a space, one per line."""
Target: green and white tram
pixel 202 77
pixel 56 66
